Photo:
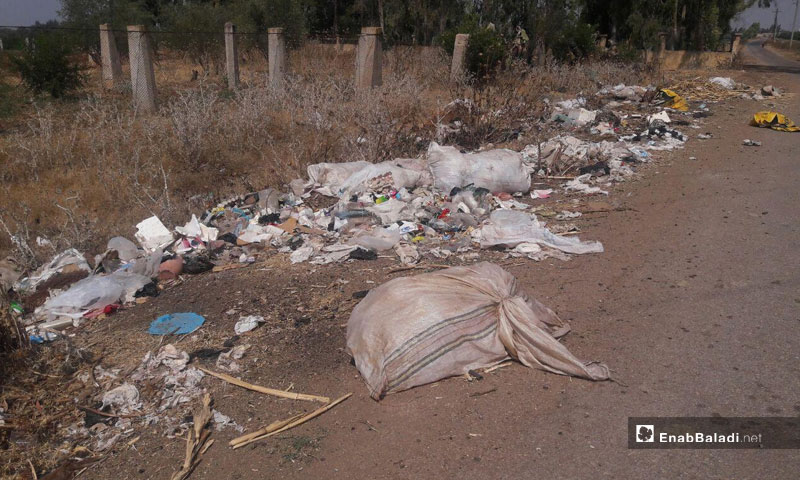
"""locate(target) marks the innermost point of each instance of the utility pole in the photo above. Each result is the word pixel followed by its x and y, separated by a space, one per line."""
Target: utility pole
pixel 775 33
pixel 794 23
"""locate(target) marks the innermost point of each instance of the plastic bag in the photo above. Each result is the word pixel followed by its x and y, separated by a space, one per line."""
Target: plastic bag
pixel 329 177
pixel 377 240
pixel 391 211
pixel 380 177
pixel 497 170
pixel 775 121
pixel 509 228
pixel 92 292
pixel 66 261
pixel 415 330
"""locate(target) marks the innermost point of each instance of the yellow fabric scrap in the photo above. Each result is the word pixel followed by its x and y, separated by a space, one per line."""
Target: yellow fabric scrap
pixel 678 102
pixel 775 121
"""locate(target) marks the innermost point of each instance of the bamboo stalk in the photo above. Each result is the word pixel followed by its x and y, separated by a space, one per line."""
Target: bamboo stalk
pixel 268 429
pixel 293 424
pixel 268 391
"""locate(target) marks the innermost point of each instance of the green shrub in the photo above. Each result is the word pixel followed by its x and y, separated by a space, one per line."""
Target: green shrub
pixel 45 67
pixel 486 50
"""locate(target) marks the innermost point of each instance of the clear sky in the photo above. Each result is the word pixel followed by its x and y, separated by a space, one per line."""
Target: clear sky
pixel 765 16
pixel 26 12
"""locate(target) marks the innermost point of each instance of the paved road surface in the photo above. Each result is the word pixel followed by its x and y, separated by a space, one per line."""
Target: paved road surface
pixel 756 57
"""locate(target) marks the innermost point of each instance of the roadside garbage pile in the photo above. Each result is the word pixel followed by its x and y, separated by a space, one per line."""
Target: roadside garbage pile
pixel 458 320
pixel 447 202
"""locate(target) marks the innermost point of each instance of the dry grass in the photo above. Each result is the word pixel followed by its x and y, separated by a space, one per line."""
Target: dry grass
pixel 77 172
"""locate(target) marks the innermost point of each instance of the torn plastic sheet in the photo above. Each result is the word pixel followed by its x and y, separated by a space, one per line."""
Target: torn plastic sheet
pixel 578 184
pixel 66 261
pixel 92 292
pixel 775 121
pixel 509 228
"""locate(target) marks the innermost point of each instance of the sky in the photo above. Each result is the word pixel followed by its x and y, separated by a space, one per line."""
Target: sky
pixel 26 12
pixel 765 16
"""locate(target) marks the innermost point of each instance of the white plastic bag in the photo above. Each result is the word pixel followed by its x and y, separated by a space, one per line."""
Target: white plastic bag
pixel 329 177
pixel 497 170
pixel 92 292
pixel 509 228
pixel 377 240
pixel 415 330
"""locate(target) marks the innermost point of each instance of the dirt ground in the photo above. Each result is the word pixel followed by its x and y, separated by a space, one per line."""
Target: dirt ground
pixel 694 306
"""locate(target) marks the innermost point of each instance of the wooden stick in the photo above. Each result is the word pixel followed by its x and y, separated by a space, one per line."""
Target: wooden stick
pixel 111 415
pixel 268 391
pixel 268 429
pixel 295 423
pixel 420 267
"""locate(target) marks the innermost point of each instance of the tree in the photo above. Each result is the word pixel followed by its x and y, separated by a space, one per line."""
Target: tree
pixel 45 66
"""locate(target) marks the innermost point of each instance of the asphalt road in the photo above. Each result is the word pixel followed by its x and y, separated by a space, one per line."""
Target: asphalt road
pixel 757 57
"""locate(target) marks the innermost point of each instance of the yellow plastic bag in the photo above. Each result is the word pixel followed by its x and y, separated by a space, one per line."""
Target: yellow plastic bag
pixel 678 102
pixel 775 121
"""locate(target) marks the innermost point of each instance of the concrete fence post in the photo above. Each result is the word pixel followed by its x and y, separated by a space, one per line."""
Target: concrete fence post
pixel 277 55
pixel 369 58
pixel 109 57
pixel 602 41
pixel 231 56
pixel 459 56
pixel 143 80
pixel 736 44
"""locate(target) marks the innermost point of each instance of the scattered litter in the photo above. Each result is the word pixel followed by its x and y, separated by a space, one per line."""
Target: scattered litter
pixel 67 261
pixel 775 121
pixel 124 399
pixel 90 293
pixel 247 323
pixel 541 193
pixel 661 116
pixel 724 82
pixel 176 324
pixel 578 184
pixel 152 234
pixel 482 319
pixel 770 91
pixel 408 253
pixel 222 421
pixel 751 143
pixel 227 360
pixel 672 100
pixel 508 228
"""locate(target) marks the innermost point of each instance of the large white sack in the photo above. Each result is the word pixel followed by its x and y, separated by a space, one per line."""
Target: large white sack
pixel 415 330
pixel 329 177
pixel 499 170
pixel 353 178
pixel 401 177
pixel 509 228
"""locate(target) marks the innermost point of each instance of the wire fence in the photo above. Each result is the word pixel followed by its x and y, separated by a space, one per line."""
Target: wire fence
pixel 136 55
